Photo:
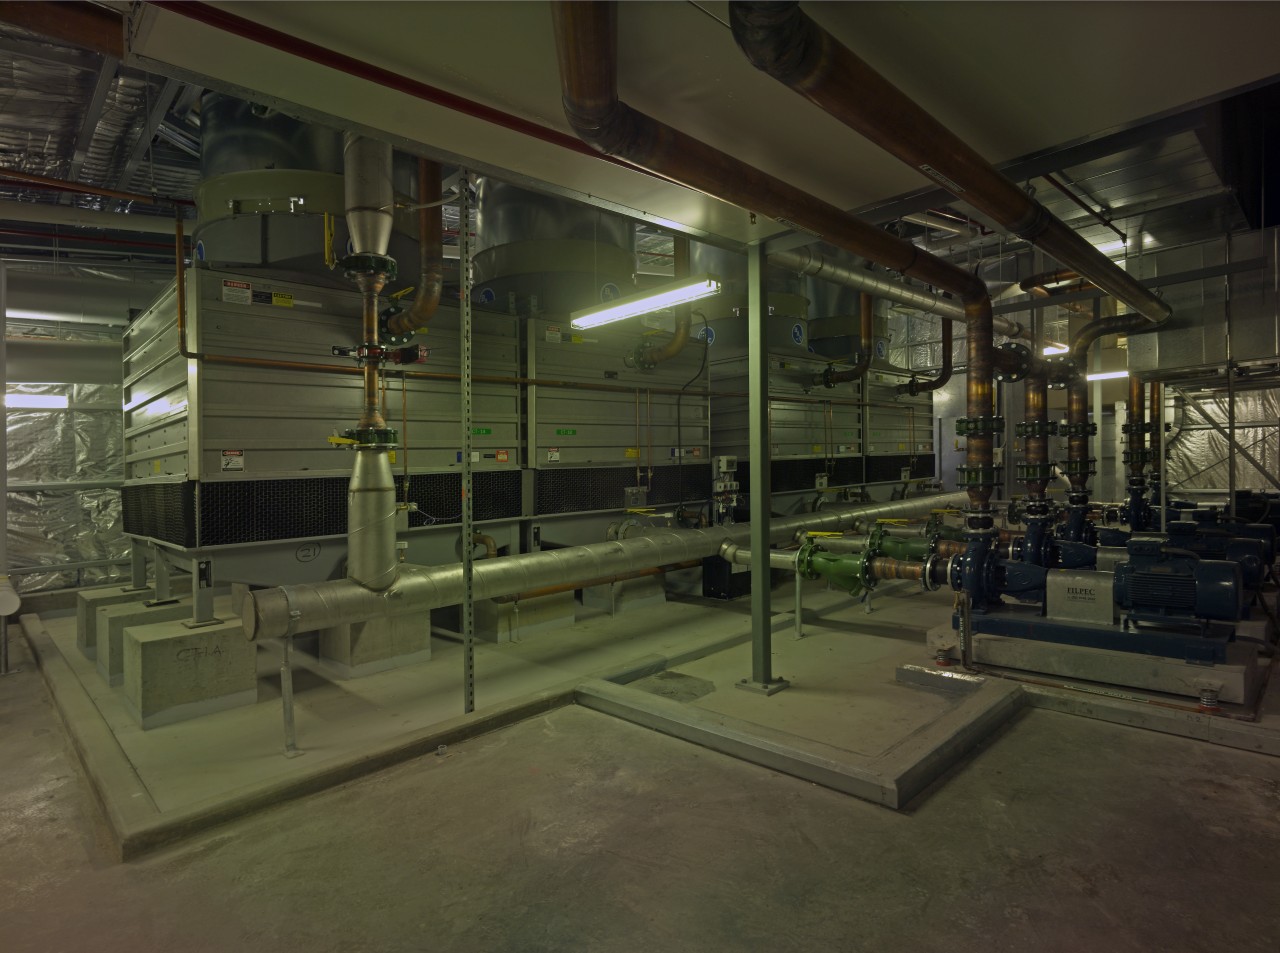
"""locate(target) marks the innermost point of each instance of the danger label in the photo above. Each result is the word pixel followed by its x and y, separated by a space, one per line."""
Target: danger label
pixel 237 292
pixel 232 460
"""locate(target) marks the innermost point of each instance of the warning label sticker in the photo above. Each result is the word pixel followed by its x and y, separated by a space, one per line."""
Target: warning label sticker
pixel 237 292
pixel 232 460
pixel 281 300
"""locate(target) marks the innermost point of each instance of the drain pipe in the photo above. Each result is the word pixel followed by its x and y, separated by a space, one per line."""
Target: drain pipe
pixel 271 613
pixel 783 41
pixel 587 48
pixel 371 498
pixel 914 386
pixel 399 326
pixel 830 377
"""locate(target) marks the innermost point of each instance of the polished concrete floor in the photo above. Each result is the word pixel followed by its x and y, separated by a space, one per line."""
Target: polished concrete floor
pixel 573 830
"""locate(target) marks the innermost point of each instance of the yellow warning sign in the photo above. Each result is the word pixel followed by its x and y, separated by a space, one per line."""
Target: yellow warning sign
pixel 282 300
pixel 632 453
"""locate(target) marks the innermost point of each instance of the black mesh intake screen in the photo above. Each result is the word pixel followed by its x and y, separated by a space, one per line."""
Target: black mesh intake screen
pixel 162 511
pixel 600 488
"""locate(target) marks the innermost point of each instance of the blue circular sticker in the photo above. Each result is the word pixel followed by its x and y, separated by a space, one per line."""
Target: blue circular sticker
pixel 200 250
pixel 610 292
pixel 882 348
pixel 797 333
pixel 708 335
pixel 486 296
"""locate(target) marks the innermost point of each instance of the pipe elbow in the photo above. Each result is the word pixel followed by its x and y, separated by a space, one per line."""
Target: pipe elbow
pixel 778 38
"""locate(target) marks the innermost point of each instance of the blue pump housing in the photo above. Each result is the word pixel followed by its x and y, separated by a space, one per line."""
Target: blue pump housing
pixel 1163 583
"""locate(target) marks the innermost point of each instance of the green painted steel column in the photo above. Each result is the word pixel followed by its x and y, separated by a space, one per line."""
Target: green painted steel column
pixel 762 678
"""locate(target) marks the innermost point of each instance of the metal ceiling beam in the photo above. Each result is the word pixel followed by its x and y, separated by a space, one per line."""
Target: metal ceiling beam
pixel 159 109
pixel 92 114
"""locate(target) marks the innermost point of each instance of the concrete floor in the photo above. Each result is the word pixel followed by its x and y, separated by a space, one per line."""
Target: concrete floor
pixel 574 830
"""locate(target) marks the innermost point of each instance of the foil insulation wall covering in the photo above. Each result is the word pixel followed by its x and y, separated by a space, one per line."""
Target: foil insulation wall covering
pixel 48 524
pixel 1198 456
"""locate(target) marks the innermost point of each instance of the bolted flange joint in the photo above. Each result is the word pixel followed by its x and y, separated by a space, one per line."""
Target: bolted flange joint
pixel 356 265
pixel 385 334
pixel 1072 468
pixel 979 426
pixel 1036 428
pixel 1077 430
pixel 1015 367
pixel 977 477
pixel 381 438
pixel 1034 472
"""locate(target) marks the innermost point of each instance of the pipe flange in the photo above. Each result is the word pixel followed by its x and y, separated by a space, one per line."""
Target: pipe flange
pixel 1020 363
pixel 1078 430
pixel 1062 370
pixel 932 565
pixel 369 264
pixel 1034 472
pixel 1078 467
pixel 1036 428
pixel 979 426
pixel 380 438
pixel 385 334
pixel 977 477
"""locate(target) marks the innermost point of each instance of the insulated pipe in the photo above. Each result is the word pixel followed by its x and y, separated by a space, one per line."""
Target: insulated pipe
pixel 370 195
pixel 372 559
pixel 587 48
pixel 270 613
pixel 778 559
pixel 43 214
pixel 781 40
pixel 866 344
pixel 430 254
pixel 927 384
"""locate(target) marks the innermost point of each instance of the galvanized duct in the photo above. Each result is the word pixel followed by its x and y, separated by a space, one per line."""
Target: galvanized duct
pixel 270 613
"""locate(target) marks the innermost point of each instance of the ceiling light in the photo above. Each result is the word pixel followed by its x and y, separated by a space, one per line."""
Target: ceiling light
pixel 36 401
pixel 666 296
pixel 1108 376
pixel 1051 348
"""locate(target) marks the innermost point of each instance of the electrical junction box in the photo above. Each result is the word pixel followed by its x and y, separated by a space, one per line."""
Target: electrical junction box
pixel 633 496
pixel 1078 595
pixel 726 464
pixel 819 481
pixel 724 486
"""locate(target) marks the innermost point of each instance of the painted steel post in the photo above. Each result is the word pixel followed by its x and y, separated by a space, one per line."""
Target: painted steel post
pixel 762 678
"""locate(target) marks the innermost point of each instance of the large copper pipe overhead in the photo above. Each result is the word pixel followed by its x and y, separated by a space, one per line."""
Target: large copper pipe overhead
pixel 780 39
pixel 866 345
pixel 1137 425
pixel 587 45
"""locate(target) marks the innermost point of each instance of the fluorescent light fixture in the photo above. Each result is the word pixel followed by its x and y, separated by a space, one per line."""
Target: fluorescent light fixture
pixel 1051 348
pixel 1108 376
pixel 35 401
pixel 669 295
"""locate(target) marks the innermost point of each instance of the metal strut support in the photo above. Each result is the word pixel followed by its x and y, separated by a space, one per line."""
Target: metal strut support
pixel 468 513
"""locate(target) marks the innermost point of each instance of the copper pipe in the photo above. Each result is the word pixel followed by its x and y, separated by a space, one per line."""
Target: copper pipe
pixel 587 46
pixel 430 254
pixel 684 312
pixel 866 346
pixel 1037 285
pixel 488 542
pixel 950 547
pixel 1119 324
pixel 885 567
pixel 587 49
pixel 781 40
pixel 1036 412
pixel 1155 414
pixel 1137 425
pixel 1078 443
pixel 925 385
pixel 604 581
pixel 371 372
pixel 62 185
